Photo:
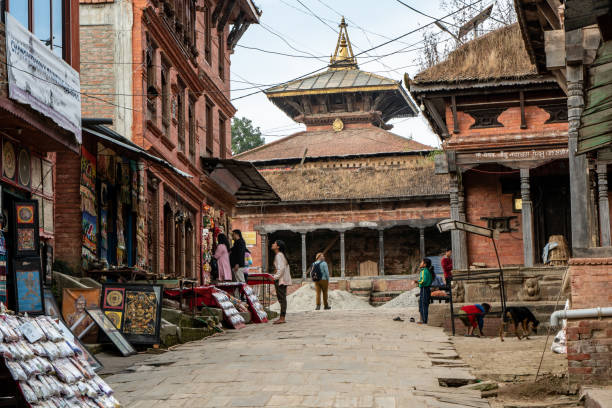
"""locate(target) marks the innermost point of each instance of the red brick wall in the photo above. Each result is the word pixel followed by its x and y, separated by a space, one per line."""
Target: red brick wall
pixel 589 341
pixel 97 45
pixel 68 209
pixel 484 198
pixel 401 243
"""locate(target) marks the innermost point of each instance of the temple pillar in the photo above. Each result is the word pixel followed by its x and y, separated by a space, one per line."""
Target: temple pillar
pixel 381 249
pixel 604 205
pixel 458 238
pixel 422 241
pixel 527 219
pixel 342 255
pixel 578 170
pixel 303 255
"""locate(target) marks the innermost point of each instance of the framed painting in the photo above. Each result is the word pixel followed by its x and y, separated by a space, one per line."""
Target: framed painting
pixel 135 310
pixel 25 221
pixel 28 288
pixel 74 303
pixel 51 307
pixel 108 328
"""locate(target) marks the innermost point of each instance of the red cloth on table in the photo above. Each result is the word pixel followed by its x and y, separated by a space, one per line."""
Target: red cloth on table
pixel 447 267
pixel 472 314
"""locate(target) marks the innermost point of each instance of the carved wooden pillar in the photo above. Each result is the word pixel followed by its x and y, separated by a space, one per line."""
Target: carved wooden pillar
pixel 303 255
pixel 458 241
pixel 422 241
pixel 604 205
pixel 182 257
pixel 527 219
pixel 342 255
pixel 264 252
pixel 381 249
pixel 579 187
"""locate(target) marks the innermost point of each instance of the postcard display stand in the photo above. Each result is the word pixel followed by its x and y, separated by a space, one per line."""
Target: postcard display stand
pixel 49 370
pixel 232 316
pixel 258 314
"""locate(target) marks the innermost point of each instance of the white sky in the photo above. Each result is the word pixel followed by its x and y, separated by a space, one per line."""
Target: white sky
pixel 303 31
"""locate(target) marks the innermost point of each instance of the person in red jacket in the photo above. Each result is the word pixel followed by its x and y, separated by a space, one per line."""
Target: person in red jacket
pixel 472 316
pixel 447 266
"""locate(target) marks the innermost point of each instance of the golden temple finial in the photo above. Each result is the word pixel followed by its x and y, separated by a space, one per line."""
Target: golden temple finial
pixel 343 57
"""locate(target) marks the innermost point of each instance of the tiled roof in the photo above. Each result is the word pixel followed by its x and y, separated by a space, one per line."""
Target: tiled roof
pixel 321 184
pixel 334 79
pixel 327 143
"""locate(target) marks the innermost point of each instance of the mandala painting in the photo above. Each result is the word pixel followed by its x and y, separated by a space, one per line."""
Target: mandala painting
pixel 113 298
pixel 114 317
pixel 25 214
pixel 140 313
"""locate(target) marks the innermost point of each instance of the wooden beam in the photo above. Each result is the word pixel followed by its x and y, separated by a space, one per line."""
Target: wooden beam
pixel 523 122
pixel 436 117
pixel 227 13
pixel 217 12
pixel 554 45
pixel 238 35
pixel 454 108
pixel 549 14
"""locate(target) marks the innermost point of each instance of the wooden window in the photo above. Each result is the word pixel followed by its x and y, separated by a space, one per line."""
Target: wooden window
pixel 210 138
pixel 44 18
pixel 180 104
pixel 192 128
pixel 166 96
pixel 207 32
pixel 150 64
pixel 222 138
pixel 221 57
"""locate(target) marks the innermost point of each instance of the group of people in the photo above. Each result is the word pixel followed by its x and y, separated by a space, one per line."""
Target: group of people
pixel 232 261
pixel 472 316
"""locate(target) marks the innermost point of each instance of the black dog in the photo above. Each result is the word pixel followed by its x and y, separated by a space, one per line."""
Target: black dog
pixel 518 316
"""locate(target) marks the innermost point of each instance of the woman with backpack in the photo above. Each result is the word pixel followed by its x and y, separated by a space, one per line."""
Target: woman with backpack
pixel 222 257
pixel 320 276
pixel 282 277
pixel 426 277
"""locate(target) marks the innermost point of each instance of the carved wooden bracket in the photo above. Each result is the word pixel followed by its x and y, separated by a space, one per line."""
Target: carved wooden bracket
pixel 485 118
pixel 558 113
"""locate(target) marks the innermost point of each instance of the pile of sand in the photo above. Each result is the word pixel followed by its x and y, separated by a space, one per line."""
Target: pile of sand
pixel 304 299
pixel 405 300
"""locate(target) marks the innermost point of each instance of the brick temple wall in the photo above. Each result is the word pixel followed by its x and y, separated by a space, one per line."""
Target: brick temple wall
pixel 402 252
pixel 589 341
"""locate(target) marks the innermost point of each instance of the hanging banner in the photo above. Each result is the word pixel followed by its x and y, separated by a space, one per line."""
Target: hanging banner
pixel 39 78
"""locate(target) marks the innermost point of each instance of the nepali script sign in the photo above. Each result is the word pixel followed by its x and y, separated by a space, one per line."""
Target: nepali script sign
pixel 39 78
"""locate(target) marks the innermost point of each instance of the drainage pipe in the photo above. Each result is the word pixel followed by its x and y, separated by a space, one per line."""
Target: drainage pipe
pixel 579 314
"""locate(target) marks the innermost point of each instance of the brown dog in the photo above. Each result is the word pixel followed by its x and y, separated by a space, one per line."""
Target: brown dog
pixel 518 316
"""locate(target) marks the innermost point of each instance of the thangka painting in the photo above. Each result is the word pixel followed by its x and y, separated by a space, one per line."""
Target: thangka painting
pixel 28 286
pixel 89 222
pixel 135 310
pixel 3 270
pixel 25 223
pixel 74 303
pixel 88 170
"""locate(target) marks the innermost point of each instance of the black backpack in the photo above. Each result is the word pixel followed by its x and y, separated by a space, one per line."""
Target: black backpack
pixel 315 272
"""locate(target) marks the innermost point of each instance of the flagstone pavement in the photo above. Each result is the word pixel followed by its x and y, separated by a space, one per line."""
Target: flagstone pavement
pixel 318 359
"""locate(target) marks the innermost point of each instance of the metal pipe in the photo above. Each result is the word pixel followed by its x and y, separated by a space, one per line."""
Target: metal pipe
pixel 579 314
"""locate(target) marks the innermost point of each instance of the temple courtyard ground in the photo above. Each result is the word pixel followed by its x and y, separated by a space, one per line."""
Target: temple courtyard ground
pixel 360 358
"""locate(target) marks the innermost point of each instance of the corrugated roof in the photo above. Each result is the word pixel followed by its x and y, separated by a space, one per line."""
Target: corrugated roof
pixel 323 184
pixel 334 79
pixel 328 143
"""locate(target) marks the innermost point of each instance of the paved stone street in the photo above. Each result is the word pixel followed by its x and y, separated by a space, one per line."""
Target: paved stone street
pixel 317 359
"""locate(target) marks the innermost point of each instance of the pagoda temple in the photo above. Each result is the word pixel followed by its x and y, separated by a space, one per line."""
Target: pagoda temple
pixel 349 187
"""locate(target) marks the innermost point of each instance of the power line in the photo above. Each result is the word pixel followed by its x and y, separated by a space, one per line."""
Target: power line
pixel 423 14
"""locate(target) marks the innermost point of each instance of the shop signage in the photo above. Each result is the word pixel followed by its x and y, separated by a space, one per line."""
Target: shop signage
pixel 250 238
pixel 512 156
pixel 39 78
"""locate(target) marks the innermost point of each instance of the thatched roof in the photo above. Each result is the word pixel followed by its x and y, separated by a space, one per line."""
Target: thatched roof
pixel 323 184
pixel 328 143
pixel 499 55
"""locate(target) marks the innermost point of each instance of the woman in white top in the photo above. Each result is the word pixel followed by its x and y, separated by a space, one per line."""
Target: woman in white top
pixel 282 277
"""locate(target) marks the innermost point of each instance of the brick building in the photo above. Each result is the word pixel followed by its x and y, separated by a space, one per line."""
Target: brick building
pixel 348 186
pixel 40 119
pixel 504 132
pixel 159 70
pixel 574 43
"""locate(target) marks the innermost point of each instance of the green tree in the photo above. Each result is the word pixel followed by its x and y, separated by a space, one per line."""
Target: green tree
pixel 245 136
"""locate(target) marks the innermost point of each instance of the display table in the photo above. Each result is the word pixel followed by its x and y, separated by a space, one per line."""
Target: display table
pixel 128 273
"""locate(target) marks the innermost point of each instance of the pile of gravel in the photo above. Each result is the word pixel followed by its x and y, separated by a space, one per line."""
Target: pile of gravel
pixel 405 300
pixel 304 299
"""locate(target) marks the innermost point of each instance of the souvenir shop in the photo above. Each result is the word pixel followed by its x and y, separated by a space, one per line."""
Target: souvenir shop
pixel 214 222
pixel 112 205
pixel 26 186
